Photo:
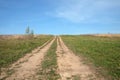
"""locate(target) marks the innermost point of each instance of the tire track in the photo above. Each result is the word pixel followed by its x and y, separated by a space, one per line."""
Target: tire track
pixel 26 68
pixel 70 66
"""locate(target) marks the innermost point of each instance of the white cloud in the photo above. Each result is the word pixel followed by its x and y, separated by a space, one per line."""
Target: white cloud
pixel 86 10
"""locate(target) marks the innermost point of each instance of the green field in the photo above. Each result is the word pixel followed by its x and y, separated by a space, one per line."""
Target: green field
pixel 103 52
pixel 49 65
pixel 13 49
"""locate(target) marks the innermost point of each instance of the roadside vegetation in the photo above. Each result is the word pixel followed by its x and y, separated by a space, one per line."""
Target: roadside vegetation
pixel 12 49
pixel 103 52
pixel 49 66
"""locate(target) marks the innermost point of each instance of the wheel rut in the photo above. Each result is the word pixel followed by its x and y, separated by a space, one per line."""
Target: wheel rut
pixel 72 67
pixel 26 68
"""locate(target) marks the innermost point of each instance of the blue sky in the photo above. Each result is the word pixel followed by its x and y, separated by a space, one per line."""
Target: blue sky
pixel 60 16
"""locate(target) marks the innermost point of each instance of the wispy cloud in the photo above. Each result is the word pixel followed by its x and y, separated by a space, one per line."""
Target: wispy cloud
pixel 88 10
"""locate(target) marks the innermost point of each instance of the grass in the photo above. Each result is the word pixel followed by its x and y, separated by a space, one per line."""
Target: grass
pixel 49 65
pixel 13 49
pixel 103 52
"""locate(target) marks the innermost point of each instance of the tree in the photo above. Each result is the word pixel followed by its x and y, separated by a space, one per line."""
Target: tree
pixel 27 30
pixel 32 32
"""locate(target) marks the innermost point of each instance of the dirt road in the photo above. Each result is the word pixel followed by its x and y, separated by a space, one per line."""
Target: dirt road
pixel 26 68
pixel 70 66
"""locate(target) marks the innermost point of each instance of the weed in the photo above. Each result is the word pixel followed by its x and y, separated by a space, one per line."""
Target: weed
pixel 49 65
